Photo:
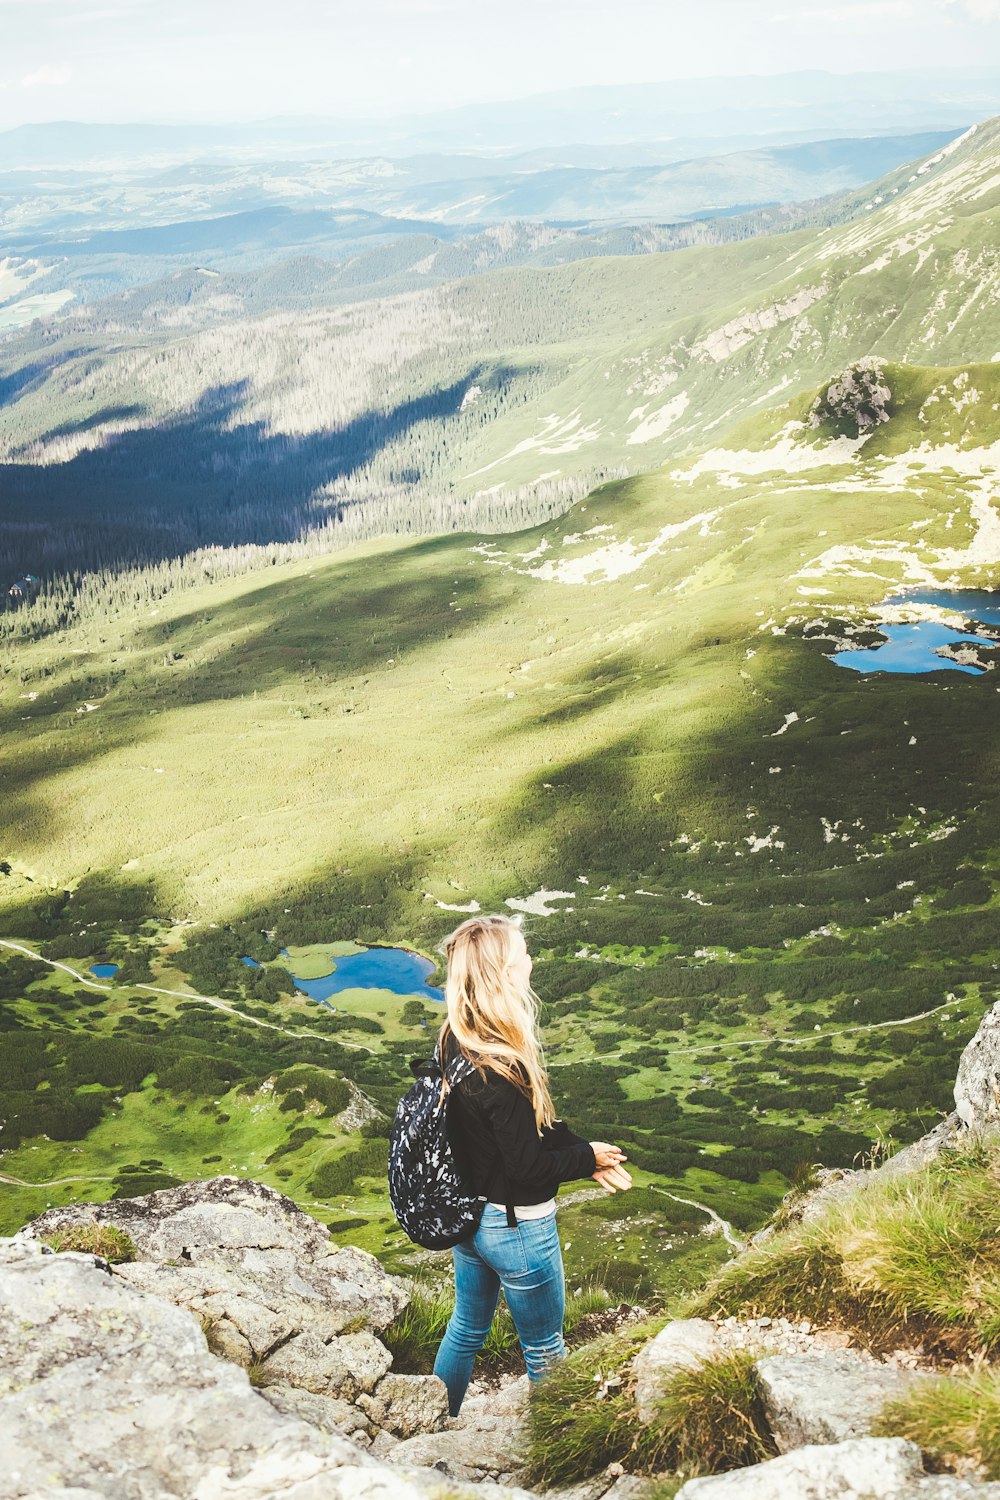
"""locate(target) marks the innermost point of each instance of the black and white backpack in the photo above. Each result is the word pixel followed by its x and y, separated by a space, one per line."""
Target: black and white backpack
pixel 426 1189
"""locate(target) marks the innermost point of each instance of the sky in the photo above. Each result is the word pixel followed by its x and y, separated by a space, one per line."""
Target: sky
pixel 233 60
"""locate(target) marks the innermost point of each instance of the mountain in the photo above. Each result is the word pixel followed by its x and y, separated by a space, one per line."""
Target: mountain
pixel 515 388
pixel 694 116
pixel 753 956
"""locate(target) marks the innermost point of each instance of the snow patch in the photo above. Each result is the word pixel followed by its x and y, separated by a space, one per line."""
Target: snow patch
pixel 537 904
pixel 656 425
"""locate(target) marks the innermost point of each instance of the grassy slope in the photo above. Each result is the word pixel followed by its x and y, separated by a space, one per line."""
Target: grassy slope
pixel 338 750
pixel 412 723
pixel 596 349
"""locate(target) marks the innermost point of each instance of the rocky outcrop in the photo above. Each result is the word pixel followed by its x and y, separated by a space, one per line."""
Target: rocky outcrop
pixel 272 1251
pixel 109 1393
pixel 825 1397
pixel 860 1469
pixel 272 1290
pixel 858 400
pixel 977 1087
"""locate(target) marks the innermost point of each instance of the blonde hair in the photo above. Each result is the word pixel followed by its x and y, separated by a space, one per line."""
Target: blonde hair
pixel 493 1016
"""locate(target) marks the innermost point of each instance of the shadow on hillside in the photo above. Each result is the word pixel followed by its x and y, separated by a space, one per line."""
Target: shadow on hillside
pixel 206 478
pixel 300 636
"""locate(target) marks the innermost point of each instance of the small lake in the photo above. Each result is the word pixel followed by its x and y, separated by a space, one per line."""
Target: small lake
pixel 104 971
pixel 397 969
pixel 914 647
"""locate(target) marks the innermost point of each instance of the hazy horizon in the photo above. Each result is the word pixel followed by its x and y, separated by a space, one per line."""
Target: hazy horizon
pixel 129 61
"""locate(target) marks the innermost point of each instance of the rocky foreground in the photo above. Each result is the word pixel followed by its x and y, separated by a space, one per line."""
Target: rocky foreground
pixel 238 1355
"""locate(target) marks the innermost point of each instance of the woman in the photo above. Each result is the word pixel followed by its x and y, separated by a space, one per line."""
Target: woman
pixel 512 1151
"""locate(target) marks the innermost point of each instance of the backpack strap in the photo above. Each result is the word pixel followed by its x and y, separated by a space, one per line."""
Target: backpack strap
pixel 511 1215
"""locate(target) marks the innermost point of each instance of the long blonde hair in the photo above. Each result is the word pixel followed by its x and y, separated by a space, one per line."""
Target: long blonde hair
pixel 493 1016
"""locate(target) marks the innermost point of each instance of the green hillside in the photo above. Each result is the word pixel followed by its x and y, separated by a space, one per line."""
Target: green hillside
pixel 177 417
pixel 770 921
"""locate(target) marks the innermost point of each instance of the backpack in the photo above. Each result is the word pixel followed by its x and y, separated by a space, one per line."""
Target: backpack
pixel 428 1194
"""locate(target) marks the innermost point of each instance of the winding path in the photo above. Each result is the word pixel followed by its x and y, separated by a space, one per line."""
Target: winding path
pixel 53 1182
pixel 727 1229
pixel 156 989
pixel 788 1041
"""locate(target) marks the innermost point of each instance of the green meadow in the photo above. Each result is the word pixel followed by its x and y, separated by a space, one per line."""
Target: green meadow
pixel 769 927
pixel 760 889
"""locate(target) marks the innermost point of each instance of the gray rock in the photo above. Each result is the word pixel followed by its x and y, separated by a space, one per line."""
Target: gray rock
pixel 343 1367
pixel 383 1444
pixel 277 1254
pixel 680 1345
pixel 861 1469
pixel 491 1448
pixel 407 1404
pixel 608 1487
pixel 325 1412
pixel 505 1401
pixel 109 1393
pixel 947 1487
pixel 977 1087
pixel 825 1397
pixel 948 1132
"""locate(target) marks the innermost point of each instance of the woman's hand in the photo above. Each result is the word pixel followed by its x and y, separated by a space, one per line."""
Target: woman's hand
pixel 613 1179
pixel 607 1156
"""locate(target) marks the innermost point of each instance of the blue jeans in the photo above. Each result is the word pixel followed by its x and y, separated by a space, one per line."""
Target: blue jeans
pixel 527 1263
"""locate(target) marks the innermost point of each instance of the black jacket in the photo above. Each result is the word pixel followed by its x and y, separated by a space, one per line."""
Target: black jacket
pixel 499 1149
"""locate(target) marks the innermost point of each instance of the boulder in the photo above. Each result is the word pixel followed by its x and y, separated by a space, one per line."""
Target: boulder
pixel 977 1087
pixel 268 1284
pixel 264 1239
pixel 344 1367
pixel 825 1397
pixel 407 1404
pixel 328 1413
pixel 109 1393
pixel 486 1448
pixel 680 1345
pixel 860 1469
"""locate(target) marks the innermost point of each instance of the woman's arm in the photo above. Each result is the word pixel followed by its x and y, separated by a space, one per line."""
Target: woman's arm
pixel 558 1135
pixel 526 1159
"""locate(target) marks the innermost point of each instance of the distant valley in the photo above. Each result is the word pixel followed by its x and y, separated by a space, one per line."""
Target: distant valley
pixel 520 588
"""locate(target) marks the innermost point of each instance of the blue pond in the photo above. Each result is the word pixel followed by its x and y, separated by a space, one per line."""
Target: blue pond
pixel 912 648
pixel 104 971
pixel 395 969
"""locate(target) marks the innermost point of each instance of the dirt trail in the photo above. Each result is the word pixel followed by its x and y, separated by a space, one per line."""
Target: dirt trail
pixel 53 1182
pixel 156 989
pixel 727 1229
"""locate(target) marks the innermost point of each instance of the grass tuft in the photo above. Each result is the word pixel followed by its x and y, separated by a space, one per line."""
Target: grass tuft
pixel 905 1258
pixel 572 1433
pixel 954 1419
pixel 92 1238
pixel 583 1417
pixel 709 1419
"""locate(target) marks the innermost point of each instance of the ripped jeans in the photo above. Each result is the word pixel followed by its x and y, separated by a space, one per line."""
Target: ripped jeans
pixel 527 1263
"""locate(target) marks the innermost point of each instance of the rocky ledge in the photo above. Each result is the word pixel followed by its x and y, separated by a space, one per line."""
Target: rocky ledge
pixel 237 1357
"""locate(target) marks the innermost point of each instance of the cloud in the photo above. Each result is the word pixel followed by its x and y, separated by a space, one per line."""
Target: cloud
pixel 850 11
pixel 976 10
pixel 846 14
pixel 47 77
